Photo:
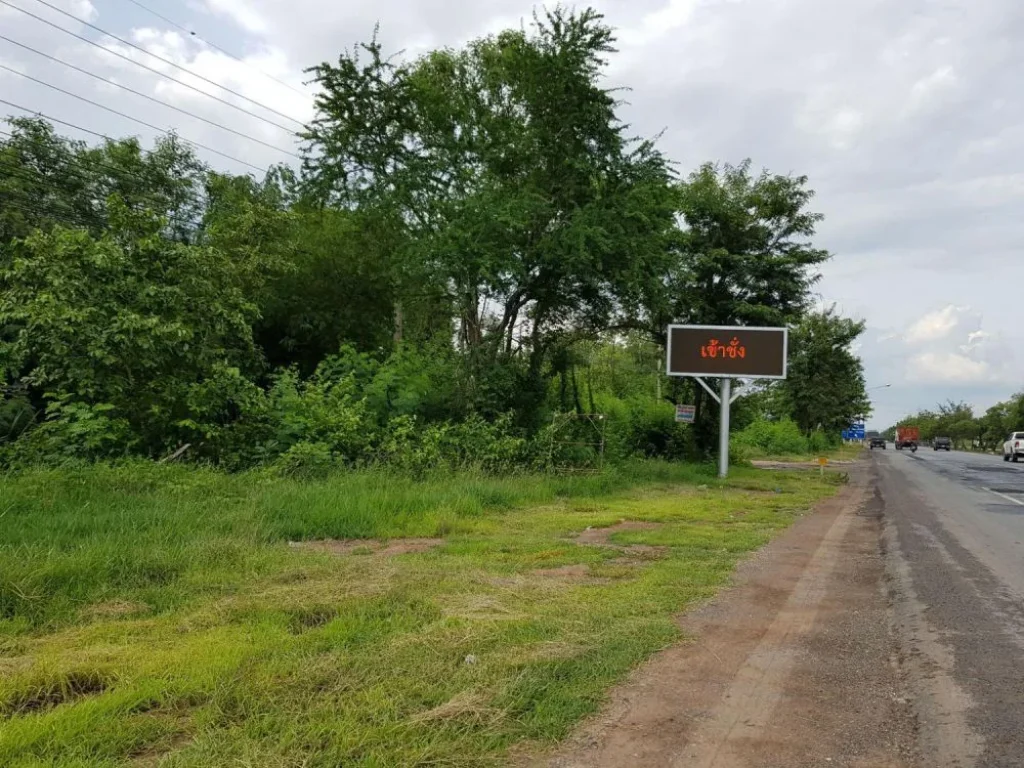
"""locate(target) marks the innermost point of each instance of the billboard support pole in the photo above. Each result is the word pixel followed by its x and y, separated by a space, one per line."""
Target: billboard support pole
pixel 708 389
pixel 723 428
pixel 726 352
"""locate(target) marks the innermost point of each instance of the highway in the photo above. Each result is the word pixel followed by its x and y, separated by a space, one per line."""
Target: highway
pixel 954 543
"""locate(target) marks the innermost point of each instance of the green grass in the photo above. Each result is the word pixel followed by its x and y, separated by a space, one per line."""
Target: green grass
pixel 842 452
pixel 156 615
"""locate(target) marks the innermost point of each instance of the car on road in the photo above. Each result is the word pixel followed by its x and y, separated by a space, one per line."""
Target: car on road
pixel 877 442
pixel 1013 449
pixel 942 444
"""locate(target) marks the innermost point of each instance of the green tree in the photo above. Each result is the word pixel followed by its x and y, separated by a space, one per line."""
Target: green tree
pixel 515 184
pixel 825 385
pixel 133 324
pixel 743 257
pixel 47 179
pixel 954 420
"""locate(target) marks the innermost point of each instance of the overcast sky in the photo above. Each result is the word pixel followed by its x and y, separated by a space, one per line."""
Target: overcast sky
pixel 907 115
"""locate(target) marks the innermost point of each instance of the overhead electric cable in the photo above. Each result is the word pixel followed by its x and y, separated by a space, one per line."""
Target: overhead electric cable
pixel 155 71
pixel 229 54
pixel 155 100
pixel 129 117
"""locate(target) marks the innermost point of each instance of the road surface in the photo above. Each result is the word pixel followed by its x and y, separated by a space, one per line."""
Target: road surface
pixel 954 541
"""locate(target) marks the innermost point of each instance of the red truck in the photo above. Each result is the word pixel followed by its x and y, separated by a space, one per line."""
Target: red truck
pixel 907 437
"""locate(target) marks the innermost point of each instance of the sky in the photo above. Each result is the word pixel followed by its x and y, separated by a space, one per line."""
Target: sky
pixel 906 115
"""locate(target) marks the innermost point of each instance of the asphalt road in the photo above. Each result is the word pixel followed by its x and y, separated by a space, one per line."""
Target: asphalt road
pixel 955 545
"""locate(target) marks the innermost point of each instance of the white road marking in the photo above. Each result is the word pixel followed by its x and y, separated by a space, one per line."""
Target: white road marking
pixel 1004 496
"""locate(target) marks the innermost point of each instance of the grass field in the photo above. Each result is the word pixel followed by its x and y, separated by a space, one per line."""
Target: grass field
pixel 159 615
pixel 840 453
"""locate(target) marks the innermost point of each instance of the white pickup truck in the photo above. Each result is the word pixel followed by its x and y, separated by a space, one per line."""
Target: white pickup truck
pixel 1013 449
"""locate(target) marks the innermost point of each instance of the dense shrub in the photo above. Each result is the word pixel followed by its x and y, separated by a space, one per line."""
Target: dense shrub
pixel 781 438
pixel 644 427
pixel 819 441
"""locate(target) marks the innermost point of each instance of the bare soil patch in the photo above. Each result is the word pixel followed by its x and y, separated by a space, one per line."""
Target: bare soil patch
pixel 790 668
pixel 378 547
pixel 578 573
pixel 601 537
pixel 632 554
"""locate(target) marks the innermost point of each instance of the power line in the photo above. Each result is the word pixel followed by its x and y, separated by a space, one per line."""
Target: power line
pixel 148 97
pixel 78 220
pixel 76 166
pixel 193 33
pixel 112 168
pixel 157 72
pixel 49 214
pixel 128 117
pixel 70 216
pixel 167 61
pixel 73 167
pixel 55 120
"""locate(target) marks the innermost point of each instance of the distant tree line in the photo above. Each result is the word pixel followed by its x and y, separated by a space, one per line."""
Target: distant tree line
pixel 956 420
pixel 473 243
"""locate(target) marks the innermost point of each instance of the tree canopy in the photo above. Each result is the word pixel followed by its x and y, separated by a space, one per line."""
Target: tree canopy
pixel 474 242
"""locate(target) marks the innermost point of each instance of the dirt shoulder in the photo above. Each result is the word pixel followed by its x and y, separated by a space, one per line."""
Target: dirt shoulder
pixel 792 666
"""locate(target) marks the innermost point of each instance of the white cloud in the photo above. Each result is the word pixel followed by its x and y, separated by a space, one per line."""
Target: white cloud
pixel 83 9
pixel 930 86
pixel 660 22
pixel 906 116
pixel 948 367
pixel 241 12
pixel 935 325
pixel 975 340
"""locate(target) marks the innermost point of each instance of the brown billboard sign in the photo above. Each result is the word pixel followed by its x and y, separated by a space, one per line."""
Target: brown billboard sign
pixel 725 351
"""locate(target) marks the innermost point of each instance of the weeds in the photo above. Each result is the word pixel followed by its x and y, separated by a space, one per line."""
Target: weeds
pixel 158 614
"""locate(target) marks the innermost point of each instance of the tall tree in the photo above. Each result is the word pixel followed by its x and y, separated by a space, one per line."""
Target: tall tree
pixel 744 256
pixel 47 179
pixel 506 166
pixel 825 385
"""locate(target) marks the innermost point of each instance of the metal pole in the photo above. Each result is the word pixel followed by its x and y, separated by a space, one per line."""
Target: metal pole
pixel 725 393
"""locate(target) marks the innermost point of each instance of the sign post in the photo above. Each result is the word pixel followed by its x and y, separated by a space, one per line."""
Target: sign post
pixel 725 393
pixel 726 352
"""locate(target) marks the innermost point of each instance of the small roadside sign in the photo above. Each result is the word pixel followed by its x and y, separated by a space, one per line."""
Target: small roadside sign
pixel 822 461
pixel 686 413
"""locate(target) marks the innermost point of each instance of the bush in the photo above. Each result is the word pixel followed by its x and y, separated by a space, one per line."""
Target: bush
pixel 72 431
pixel 473 443
pixel 819 442
pixel 772 438
pixel 306 460
pixel 16 416
pixel 128 322
pixel 644 427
